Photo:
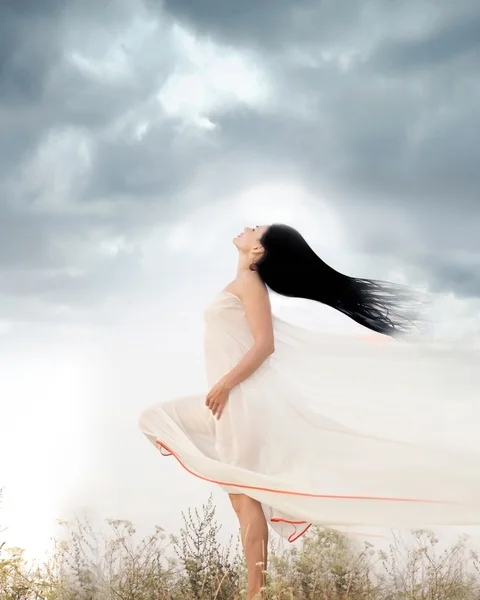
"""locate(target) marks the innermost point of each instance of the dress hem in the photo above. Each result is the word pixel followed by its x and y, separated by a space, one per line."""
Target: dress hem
pixel 167 451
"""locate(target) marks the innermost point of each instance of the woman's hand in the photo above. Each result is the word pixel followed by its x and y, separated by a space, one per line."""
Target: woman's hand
pixel 217 398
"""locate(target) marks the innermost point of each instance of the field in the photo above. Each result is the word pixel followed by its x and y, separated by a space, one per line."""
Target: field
pixel 113 564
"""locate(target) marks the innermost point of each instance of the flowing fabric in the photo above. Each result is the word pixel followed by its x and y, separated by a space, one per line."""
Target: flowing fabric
pixel 282 439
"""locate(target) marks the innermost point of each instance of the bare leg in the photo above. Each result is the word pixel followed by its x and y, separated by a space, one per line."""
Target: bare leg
pixel 254 535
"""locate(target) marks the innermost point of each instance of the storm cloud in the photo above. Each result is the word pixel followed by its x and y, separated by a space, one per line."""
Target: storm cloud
pixel 117 119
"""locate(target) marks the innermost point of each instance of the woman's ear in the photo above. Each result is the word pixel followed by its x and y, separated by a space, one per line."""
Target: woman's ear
pixel 257 250
pixel 256 254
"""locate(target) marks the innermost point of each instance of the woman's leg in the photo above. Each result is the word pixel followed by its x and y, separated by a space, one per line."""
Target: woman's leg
pixel 254 535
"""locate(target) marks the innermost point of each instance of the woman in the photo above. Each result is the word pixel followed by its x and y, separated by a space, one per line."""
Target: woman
pixel 261 432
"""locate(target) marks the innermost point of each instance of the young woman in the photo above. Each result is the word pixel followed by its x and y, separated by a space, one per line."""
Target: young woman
pixel 261 432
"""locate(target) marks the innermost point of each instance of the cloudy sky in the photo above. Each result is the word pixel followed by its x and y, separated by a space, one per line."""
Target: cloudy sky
pixel 137 137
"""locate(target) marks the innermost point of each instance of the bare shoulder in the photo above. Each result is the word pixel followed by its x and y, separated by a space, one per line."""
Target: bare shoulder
pixel 251 288
pixel 256 301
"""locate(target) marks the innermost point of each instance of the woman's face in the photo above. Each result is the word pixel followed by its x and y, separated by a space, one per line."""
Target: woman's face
pixel 249 240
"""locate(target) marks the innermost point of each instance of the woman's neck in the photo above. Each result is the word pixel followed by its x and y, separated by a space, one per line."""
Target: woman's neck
pixel 244 262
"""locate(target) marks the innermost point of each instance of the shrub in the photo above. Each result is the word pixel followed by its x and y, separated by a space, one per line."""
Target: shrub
pixel 113 564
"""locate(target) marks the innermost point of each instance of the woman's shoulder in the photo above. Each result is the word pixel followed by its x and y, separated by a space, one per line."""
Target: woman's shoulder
pixel 248 283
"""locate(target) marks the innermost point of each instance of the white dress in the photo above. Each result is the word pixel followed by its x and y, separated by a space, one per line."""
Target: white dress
pixel 276 443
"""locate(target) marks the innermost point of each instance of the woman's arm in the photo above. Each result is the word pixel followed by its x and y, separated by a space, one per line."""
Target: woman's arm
pixel 254 296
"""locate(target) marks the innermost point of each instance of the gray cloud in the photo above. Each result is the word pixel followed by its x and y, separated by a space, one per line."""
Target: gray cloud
pixel 451 41
pixel 270 24
pixel 74 175
pixel 375 108
pixel 391 131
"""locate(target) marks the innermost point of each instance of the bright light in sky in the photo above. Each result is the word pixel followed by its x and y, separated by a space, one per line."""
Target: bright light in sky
pixel 288 202
pixel 209 77
pixel 43 433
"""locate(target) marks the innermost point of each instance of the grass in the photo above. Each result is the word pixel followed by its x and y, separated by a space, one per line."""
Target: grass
pixel 113 564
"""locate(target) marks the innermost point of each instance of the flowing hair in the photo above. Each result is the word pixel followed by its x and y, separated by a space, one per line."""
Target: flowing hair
pixel 291 268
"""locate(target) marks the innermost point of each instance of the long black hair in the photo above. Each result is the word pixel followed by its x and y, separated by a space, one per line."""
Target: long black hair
pixel 290 267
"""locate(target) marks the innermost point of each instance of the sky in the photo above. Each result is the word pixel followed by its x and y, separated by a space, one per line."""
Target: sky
pixel 136 139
